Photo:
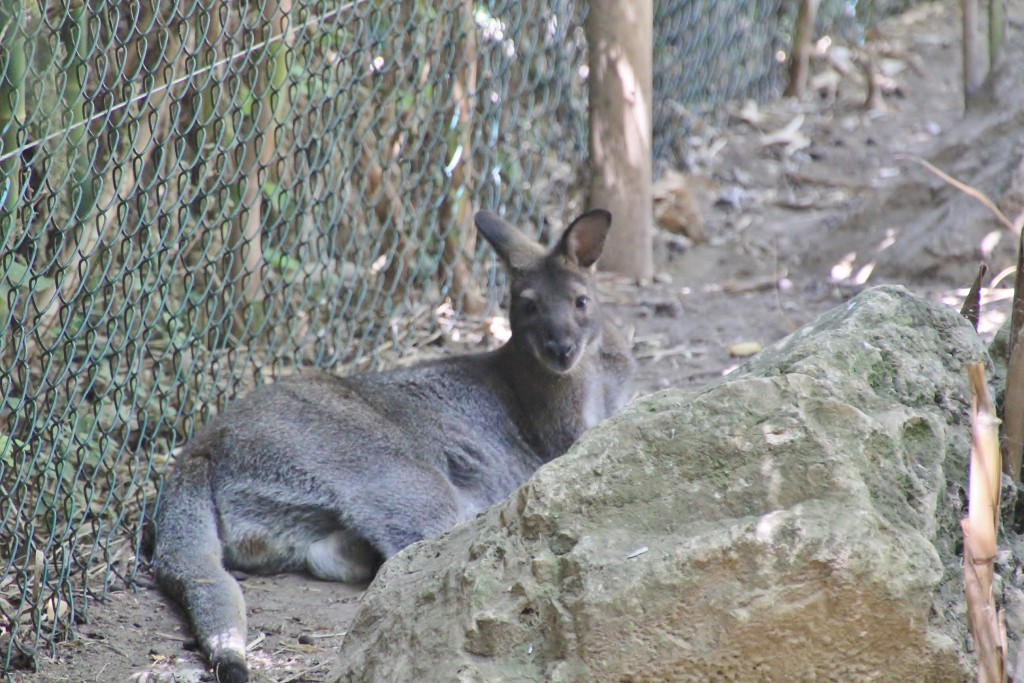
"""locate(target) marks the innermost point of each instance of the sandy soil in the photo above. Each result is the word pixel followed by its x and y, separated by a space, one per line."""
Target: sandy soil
pixel 776 193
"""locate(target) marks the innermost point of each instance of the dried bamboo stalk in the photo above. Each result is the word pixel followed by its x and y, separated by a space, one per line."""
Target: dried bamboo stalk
pixel 980 529
pixel 972 303
pixel 1012 444
pixel 1017 309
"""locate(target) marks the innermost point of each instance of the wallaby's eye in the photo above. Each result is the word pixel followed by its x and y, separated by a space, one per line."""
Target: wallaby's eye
pixel 527 306
pixel 581 302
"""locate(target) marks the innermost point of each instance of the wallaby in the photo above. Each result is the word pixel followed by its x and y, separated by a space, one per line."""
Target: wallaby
pixel 334 475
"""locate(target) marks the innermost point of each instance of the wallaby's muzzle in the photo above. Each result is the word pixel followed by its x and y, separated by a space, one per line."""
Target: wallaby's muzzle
pixel 561 356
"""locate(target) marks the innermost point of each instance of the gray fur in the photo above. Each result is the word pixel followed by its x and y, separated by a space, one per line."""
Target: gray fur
pixel 334 475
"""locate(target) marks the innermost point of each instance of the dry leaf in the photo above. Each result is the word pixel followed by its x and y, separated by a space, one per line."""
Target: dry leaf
pixel 789 135
pixel 675 208
pixel 744 349
pixel 750 114
pixel 55 609
pixel 784 135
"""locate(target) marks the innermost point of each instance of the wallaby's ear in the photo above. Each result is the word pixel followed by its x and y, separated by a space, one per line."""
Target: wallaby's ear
pixel 584 239
pixel 517 250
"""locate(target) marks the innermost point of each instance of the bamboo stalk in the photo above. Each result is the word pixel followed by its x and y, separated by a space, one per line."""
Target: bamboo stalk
pixel 279 52
pixel 214 133
pixel 996 31
pixel 78 242
pixel 972 78
pixel 83 186
pixel 389 210
pixel 13 67
pixel 46 68
pixel 143 157
pixel 260 147
pixel 214 100
pixel 277 95
pixel 456 210
pixel 213 136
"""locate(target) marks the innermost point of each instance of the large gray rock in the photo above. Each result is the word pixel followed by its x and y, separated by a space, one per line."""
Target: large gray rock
pixel 796 521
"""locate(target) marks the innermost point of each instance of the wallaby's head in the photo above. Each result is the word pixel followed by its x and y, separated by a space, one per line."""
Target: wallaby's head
pixel 554 312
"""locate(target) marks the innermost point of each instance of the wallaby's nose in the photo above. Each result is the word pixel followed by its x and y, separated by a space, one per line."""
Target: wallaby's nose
pixel 560 351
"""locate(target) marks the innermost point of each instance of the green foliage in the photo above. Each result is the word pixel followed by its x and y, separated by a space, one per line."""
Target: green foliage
pixel 9 448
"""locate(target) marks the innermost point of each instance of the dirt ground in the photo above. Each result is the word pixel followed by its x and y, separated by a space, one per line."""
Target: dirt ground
pixel 769 205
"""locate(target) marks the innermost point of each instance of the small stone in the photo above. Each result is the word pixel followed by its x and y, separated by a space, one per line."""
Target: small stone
pixel 668 309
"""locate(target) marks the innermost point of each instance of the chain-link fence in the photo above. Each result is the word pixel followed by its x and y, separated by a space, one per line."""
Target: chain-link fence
pixel 708 53
pixel 196 196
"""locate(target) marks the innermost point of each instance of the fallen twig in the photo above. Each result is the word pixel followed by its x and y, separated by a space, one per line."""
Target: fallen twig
pixel 963 187
pixel 256 642
pixel 656 355
pixel 302 674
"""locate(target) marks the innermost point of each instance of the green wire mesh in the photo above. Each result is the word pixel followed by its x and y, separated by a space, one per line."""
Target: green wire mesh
pixel 197 196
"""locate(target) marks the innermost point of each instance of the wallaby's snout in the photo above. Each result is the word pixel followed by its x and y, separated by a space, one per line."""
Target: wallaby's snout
pixel 556 329
pixel 568 333
pixel 562 352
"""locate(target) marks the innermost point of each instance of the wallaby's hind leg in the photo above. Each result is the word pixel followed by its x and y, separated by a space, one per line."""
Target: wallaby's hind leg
pixel 337 527
pixel 187 564
pixel 217 611
pixel 342 556
pixel 403 503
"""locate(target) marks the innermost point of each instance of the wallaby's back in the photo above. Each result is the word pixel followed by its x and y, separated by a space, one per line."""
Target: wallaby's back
pixel 334 475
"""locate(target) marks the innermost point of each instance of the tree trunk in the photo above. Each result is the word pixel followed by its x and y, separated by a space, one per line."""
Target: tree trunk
pixel 800 57
pixel 619 36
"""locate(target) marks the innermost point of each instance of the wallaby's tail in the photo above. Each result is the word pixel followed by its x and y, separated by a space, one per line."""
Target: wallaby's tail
pixel 188 565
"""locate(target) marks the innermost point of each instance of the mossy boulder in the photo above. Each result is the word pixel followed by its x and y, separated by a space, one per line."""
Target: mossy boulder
pixel 797 520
